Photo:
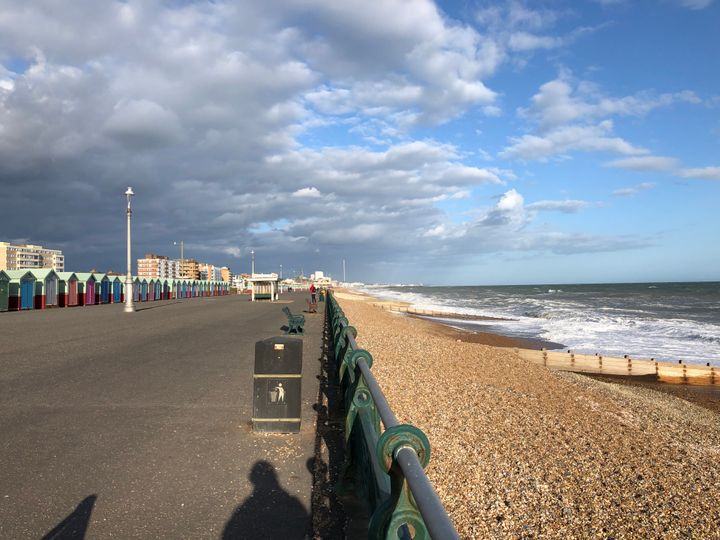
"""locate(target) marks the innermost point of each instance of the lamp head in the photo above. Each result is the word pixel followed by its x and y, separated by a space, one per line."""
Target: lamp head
pixel 129 192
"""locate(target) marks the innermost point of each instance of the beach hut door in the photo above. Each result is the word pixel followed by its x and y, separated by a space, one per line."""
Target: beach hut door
pixel 27 294
pixel 50 292
pixel 4 294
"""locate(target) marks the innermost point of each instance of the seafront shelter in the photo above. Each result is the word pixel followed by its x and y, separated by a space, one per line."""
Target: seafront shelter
pixel 21 289
pixel 86 288
pixel 262 287
pixel 102 288
pixel 46 287
pixel 67 289
pixel 4 290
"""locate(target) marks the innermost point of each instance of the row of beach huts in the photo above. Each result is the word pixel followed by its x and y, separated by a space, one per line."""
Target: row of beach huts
pixel 44 288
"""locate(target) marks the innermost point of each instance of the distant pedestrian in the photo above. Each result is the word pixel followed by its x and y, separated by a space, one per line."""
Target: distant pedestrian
pixel 312 292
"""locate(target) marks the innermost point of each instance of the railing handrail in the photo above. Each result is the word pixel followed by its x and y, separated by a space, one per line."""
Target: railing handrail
pixel 404 455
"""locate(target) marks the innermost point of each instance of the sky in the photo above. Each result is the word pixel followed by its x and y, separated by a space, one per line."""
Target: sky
pixel 459 142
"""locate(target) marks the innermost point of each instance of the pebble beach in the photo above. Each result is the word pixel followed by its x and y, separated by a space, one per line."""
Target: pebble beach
pixel 519 451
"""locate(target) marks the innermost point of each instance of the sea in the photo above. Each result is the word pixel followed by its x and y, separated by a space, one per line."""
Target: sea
pixel 665 321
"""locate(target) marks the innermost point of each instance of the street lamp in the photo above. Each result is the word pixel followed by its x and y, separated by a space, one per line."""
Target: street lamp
pixel 281 272
pixel 182 257
pixel 129 306
pixel 252 253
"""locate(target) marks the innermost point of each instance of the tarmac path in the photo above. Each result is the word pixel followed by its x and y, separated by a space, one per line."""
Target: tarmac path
pixel 117 425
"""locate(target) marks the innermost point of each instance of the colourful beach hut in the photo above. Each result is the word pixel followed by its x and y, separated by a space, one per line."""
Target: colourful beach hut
pixel 46 288
pixel 67 289
pixel 102 288
pixel 157 289
pixel 86 288
pixel 115 289
pixel 4 290
pixel 143 290
pixel 166 289
pixel 21 289
pixel 137 285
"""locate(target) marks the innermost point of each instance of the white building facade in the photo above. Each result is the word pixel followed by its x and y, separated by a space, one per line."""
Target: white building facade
pixel 18 257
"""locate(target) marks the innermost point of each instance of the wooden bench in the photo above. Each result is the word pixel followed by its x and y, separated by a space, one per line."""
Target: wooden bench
pixel 295 322
pixel 312 306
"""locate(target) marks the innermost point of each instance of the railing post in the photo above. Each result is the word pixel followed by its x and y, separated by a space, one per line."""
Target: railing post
pixel 399 510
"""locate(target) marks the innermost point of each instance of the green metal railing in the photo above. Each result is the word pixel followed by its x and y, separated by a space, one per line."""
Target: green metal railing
pixel 385 467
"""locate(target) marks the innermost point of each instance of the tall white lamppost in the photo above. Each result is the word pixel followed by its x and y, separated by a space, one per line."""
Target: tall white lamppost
pixel 281 272
pixel 252 271
pixel 182 257
pixel 129 306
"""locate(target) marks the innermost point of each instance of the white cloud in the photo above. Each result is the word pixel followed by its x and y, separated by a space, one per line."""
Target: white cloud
pixel 633 190
pixel 704 173
pixel 645 163
pixel 524 41
pixel 695 4
pixel 569 138
pixel 559 102
pixel 577 117
pixel 568 206
pixel 307 192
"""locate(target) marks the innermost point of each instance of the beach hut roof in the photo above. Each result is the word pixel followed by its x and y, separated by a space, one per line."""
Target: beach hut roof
pixel 19 275
pixel 85 276
pixel 114 278
pixel 42 274
pixel 99 276
pixel 66 276
pixel 4 276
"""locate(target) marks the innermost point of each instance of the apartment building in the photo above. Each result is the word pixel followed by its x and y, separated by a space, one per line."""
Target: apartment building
pixel 189 268
pixel 210 272
pixel 158 266
pixel 18 257
pixel 226 274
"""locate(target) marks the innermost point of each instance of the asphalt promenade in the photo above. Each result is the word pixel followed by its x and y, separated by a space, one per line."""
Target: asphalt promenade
pixel 117 425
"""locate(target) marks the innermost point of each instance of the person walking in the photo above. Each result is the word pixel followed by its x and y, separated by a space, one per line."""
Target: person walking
pixel 312 292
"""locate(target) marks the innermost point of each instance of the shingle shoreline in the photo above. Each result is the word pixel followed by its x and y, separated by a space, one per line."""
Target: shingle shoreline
pixel 519 451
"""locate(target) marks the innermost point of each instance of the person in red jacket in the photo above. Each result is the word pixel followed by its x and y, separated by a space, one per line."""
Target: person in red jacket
pixel 312 292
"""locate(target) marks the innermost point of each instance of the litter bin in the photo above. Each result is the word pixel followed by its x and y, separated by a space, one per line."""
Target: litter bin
pixel 277 384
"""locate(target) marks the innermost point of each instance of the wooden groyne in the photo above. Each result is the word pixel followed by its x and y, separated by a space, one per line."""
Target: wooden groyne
pixel 669 372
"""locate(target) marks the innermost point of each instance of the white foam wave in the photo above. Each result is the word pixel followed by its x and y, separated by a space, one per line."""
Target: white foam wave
pixel 586 329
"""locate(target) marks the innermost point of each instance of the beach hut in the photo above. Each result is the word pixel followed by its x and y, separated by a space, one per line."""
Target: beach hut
pixel 21 289
pixel 158 289
pixel 86 288
pixel 46 288
pixel 4 290
pixel 144 290
pixel 166 289
pixel 67 289
pixel 137 286
pixel 116 283
pixel 102 288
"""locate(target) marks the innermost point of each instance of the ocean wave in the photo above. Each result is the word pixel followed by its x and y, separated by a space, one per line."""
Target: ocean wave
pixel 618 324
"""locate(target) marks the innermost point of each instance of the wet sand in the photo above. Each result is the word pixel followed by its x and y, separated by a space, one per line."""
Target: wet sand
pixel 520 451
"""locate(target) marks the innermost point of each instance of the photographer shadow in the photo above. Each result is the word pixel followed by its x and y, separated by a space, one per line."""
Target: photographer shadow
pixel 269 512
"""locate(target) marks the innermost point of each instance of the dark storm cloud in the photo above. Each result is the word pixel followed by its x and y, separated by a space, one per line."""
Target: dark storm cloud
pixel 199 107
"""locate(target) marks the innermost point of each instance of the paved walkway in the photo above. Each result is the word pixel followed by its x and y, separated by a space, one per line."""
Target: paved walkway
pixel 138 425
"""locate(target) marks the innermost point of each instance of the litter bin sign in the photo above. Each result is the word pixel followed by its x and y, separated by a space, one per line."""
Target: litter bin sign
pixel 277 384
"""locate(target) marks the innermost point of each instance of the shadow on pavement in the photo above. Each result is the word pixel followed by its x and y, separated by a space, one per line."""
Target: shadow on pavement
pixel 159 305
pixel 75 525
pixel 270 512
